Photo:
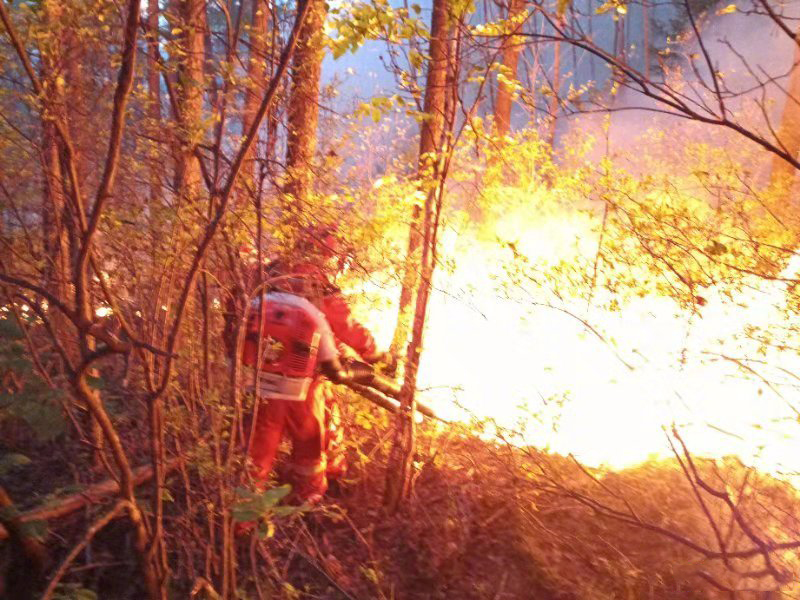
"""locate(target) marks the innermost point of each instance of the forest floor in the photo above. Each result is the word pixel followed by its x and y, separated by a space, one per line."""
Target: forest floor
pixel 456 537
pixel 486 520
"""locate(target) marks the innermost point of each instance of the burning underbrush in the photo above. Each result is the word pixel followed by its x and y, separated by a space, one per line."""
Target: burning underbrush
pixel 596 300
pixel 489 519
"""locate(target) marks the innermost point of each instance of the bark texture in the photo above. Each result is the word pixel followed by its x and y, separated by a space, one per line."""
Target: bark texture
pixel 304 102
pixel 510 49
pixel 422 237
pixel 256 77
pixel 429 148
pixel 190 96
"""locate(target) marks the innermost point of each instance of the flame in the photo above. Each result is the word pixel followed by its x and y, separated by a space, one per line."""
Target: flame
pixel 608 395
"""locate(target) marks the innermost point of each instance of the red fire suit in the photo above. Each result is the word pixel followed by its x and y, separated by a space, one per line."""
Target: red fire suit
pixel 308 423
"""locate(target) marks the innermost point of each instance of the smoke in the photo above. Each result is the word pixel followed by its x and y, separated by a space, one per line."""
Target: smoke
pixel 752 58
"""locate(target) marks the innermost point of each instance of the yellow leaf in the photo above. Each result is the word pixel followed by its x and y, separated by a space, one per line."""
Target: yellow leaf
pixel 604 8
pixel 731 8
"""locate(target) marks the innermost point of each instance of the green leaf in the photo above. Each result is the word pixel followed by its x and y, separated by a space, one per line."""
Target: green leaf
pixel 415 58
pixel 34 529
pixel 244 515
pixel 9 462
pixel 257 506
pixel 8 512
pixel 73 591
pixel 286 511
pixel 281 491
pixel 44 418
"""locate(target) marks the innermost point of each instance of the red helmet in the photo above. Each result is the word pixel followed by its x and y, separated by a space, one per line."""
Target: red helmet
pixel 320 240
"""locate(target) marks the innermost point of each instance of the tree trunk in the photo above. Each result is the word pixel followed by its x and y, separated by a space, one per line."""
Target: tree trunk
pixel 55 209
pixel 429 148
pixel 153 88
pixel 510 49
pixel 190 97
pixel 431 141
pixel 555 88
pixel 788 137
pixel 256 78
pixel 303 115
pixel 55 235
pixel 646 37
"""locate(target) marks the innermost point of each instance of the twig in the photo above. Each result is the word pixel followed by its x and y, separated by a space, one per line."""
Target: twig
pixel 201 583
pixel 90 495
pixel 119 507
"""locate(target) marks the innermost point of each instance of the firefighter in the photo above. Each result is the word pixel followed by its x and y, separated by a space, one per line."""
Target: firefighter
pixel 303 319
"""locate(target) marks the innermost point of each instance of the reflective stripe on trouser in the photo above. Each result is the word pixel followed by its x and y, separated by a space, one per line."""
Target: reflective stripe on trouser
pixel 304 422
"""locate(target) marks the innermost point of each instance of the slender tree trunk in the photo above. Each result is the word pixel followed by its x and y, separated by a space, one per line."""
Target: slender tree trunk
pixel 61 67
pixel 533 76
pixel 256 78
pixel 55 217
pixel 556 87
pixel 590 16
pixel 451 81
pixel 55 234
pixel 153 89
pixel 272 118
pixel 398 480
pixel 510 49
pixel 430 140
pixel 303 116
pixel 620 49
pixel 646 37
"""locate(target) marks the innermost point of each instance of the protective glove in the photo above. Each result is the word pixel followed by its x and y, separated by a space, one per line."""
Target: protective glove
pixel 336 371
pixel 384 362
pixel 375 357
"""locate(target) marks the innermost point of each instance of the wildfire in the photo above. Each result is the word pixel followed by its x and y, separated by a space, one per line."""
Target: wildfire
pixel 605 386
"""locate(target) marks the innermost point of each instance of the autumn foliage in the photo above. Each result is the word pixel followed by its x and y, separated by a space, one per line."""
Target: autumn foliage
pixel 153 160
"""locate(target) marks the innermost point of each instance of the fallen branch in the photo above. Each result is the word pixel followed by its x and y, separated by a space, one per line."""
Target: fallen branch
pixel 91 495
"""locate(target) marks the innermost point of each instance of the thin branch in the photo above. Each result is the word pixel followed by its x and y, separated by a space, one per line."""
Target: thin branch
pixel 225 195
pixel 119 507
